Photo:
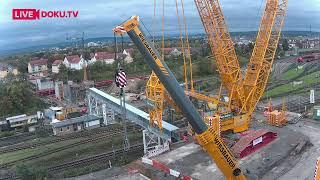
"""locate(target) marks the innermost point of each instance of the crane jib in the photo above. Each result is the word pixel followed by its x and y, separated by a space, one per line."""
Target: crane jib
pixel 153 54
pixel 224 152
pixel 167 78
pixel 207 136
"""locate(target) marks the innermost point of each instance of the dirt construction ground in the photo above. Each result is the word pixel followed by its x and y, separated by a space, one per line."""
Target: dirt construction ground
pixel 191 160
pixel 303 168
pixel 291 156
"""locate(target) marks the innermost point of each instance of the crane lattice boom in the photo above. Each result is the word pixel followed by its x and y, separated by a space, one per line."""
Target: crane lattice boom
pixel 222 47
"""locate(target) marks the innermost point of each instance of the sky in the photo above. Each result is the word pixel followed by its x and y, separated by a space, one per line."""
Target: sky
pixel 97 18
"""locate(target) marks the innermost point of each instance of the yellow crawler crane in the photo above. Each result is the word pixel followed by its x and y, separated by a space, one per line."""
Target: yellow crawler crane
pixel 263 54
pixel 208 138
pixel 155 93
pixel 243 94
pixel 221 47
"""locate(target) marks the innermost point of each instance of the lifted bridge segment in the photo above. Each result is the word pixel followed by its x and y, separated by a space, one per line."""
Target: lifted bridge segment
pixel 100 102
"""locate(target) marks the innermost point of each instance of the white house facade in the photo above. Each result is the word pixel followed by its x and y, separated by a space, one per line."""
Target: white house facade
pixel 74 62
pixel 56 65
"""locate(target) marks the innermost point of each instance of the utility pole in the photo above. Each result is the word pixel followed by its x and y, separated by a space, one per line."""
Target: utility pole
pixel 82 40
pixel 76 39
pixel 310 31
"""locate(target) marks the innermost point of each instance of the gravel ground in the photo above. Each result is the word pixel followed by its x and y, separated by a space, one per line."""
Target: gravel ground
pixel 281 159
pixel 192 160
pixel 304 167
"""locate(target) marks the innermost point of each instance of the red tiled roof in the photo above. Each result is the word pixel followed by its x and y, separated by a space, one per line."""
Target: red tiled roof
pixel 39 62
pixel 56 62
pixel 73 59
pixel 167 50
pixel 107 55
pixel 104 55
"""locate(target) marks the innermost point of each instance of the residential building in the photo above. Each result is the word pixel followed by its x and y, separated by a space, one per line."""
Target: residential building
pixel 74 62
pixel 109 58
pixel 92 44
pixel 127 54
pixel 106 57
pixel 56 65
pixel 5 70
pixel 68 126
pixel 37 65
pixel 170 51
pixel 293 52
pixel 44 84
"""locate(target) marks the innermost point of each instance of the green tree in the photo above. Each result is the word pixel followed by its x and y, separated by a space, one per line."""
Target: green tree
pixel 205 67
pixel 101 71
pixel 16 98
pixel 63 73
pixel 285 45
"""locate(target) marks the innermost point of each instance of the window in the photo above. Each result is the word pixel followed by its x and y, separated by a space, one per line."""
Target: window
pixel 68 128
pixel 61 129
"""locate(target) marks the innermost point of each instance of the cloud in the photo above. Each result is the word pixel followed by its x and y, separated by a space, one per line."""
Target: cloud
pixel 98 17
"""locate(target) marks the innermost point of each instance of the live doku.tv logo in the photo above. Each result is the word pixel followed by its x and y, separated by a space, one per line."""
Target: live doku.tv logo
pixel 36 14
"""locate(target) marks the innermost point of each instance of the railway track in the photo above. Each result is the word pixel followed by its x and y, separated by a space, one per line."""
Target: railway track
pixel 107 136
pixel 136 149
pixel 298 105
pixel 310 121
pixel 15 139
pixel 105 157
pixel 83 134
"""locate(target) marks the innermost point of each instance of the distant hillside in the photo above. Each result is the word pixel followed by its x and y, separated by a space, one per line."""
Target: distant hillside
pixel 4 53
pixel 48 46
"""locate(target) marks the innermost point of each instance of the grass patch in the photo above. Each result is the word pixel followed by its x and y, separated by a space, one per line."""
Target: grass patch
pixel 125 159
pixel 83 151
pixel 308 80
pixel 280 90
pixel 292 73
pixel 82 170
pixel 71 154
pixel 6 134
pixel 311 78
pixel 21 154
